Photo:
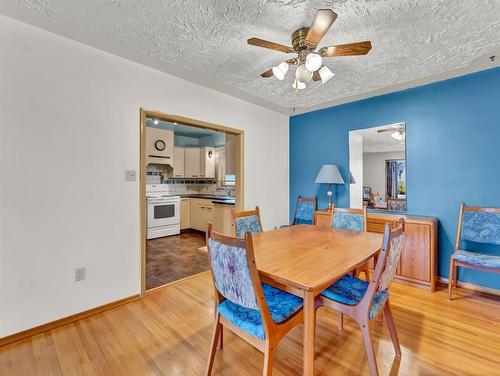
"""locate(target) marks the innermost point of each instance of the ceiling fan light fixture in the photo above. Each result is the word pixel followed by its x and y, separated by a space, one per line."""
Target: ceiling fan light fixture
pixel 313 62
pixel 302 74
pixel 280 70
pixel 298 85
pixel 325 73
pixel 397 135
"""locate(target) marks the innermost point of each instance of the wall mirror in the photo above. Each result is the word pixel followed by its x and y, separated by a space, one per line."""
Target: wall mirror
pixel 377 163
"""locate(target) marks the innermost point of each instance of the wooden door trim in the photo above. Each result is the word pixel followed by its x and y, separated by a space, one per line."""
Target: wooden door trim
pixel 239 189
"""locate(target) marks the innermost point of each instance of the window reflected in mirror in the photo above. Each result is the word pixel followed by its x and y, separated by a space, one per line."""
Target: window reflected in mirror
pixel 377 162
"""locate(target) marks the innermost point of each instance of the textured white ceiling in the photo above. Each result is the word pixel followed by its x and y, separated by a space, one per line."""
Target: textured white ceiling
pixel 375 142
pixel 411 39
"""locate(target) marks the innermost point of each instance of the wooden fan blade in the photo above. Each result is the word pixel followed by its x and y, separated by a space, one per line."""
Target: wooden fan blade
pixel 316 76
pixel 350 49
pixel 323 19
pixel 271 45
pixel 267 73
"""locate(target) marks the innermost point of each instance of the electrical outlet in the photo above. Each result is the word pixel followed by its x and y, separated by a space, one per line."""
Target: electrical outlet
pixel 80 274
pixel 130 175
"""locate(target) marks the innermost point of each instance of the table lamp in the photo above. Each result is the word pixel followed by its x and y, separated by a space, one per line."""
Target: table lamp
pixel 329 174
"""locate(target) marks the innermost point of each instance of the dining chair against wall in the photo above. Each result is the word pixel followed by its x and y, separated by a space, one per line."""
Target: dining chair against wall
pixel 396 204
pixel 248 220
pixel 363 301
pixel 258 313
pixel 304 211
pixel 354 220
pixel 478 241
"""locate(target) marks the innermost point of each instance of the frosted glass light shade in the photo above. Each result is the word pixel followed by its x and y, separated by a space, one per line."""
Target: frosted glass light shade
pixel 302 74
pixel 325 74
pixel 280 70
pixel 313 62
pixel 329 174
pixel 297 85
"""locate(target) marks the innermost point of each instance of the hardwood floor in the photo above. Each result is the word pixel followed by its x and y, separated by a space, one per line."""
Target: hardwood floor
pixel 171 258
pixel 168 333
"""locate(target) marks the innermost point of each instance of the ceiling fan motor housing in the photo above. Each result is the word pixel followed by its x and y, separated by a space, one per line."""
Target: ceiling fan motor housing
pixel 299 40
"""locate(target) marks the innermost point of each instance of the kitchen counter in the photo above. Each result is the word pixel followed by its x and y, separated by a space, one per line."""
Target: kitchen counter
pixel 224 200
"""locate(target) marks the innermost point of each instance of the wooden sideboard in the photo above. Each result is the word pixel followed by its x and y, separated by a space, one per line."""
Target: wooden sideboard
pixel 418 264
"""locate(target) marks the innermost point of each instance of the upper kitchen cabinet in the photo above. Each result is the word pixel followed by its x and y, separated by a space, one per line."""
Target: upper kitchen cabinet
pixel 230 149
pixel 178 162
pixel 192 162
pixel 199 162
pixel 159 146
pixel 207 162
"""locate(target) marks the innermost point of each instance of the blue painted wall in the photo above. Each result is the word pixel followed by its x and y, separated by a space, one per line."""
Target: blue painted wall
pixel 453 151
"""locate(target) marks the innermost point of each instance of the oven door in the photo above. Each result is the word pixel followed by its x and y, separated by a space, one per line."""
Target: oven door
pixel 163 212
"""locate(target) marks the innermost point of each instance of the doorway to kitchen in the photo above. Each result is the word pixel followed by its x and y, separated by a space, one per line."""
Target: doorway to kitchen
pixel 191 175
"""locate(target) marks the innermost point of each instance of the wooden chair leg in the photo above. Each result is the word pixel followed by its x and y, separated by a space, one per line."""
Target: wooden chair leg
pixel 268 359
pixel 213 348
pixel 392 328
pixel 370 353
pixel 341 321
pixel 451 275
pixel 221 336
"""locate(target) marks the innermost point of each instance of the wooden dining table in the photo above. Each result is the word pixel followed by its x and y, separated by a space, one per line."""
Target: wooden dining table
pixel 304 260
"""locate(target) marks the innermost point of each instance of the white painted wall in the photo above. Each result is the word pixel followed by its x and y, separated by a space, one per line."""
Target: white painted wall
pixel 374 169
pixel 69 127
pixel 356 169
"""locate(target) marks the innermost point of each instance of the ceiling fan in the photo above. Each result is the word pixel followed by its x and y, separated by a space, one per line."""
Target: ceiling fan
pixel 304 44
pixel 397 131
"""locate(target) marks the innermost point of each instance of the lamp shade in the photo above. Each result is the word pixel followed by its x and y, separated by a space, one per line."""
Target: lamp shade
pixel 329 174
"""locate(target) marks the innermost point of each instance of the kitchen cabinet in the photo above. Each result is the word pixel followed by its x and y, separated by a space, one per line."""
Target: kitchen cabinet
pixel 418 263
pixel 178 162
pixel 223 219
pixel 201 213
pixel 185 214
pixel 199 162
pixel 230 154
pixel 192 162
pixel 159 146
pixel 207 162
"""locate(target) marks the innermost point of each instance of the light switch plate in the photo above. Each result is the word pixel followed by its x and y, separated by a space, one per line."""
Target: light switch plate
pixel 130 175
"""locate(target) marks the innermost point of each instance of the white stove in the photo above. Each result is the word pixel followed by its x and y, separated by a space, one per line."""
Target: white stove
pixel 163 212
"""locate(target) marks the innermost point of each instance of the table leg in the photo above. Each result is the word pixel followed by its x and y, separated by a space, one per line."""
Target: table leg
pixel 309 333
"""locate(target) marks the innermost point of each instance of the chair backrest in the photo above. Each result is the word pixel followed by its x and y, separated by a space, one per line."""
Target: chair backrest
pixel 478 225
pixel 304 211
pixel 349 219
pixel 248 220
pixel 388 260
pixel 234 272
pixel 396 204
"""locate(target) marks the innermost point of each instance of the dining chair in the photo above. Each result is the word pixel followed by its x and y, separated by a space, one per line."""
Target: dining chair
pixel 257 312
pixel 363 301
pixel 248 220
pixel 478 242
pixel 304 211
pixel 398 204
pixel 354 220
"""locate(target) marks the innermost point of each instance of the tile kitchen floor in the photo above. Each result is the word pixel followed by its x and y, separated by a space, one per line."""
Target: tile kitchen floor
pixel 171 258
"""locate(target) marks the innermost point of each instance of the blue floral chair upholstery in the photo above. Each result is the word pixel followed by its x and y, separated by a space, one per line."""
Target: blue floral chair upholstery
pixel 478 242
pixel 362 300
pixel 247 221
pixel 347 220
pixel 244 305
pixel 304 211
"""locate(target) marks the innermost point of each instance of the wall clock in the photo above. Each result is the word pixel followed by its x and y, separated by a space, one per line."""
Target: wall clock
pixel 160 145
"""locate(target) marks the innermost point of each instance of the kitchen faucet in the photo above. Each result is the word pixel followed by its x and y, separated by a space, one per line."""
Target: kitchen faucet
pixel 226 189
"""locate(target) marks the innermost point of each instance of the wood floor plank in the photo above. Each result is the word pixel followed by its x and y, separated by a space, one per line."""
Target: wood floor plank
pixel 168 333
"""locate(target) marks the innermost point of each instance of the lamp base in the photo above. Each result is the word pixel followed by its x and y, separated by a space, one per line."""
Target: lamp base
pixel 329 194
